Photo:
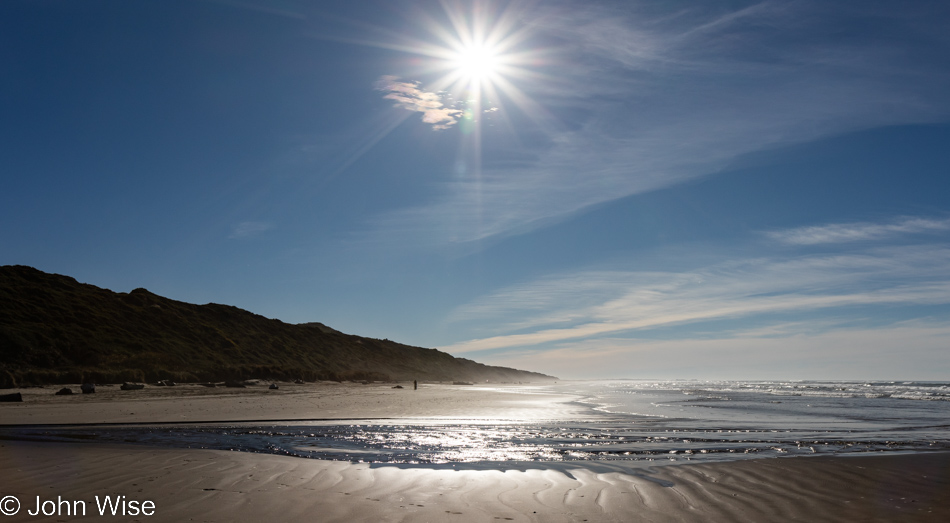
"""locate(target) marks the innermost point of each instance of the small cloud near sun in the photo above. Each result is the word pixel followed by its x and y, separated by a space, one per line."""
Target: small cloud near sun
pixel 413 98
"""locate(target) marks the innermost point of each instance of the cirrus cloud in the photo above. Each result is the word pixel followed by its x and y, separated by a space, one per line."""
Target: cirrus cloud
pixel 862 231
pixel 585 305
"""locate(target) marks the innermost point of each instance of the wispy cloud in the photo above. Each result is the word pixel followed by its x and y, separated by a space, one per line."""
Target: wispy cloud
pixel 249 229
pixel 608 303
pixel 412 97
pixel 861 231
pixel 842 353
pixel 654 101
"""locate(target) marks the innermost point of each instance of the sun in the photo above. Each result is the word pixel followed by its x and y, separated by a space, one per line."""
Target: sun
pixel 476 63
pixel 469 63
pixel 482 50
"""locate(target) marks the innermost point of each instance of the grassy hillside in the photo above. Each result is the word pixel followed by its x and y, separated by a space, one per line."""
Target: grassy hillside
pixel 54 329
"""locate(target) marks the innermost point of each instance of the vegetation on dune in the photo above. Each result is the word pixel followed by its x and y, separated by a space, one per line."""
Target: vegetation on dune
pixel 54 329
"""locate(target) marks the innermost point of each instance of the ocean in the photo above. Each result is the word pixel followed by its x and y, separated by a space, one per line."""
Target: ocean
pixel 629 423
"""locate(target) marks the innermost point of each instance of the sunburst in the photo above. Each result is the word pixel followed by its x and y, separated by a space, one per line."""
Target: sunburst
pixel 476 63
pixel 480 55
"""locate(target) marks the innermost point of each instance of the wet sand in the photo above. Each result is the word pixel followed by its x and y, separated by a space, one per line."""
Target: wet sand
pixel 205 485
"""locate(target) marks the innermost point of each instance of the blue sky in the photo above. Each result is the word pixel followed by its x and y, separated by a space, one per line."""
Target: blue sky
pixel 674 189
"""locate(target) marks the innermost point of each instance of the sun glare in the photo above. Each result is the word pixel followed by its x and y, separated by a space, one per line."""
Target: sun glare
pixel 476 62
pixel 480 51
pixel 471 64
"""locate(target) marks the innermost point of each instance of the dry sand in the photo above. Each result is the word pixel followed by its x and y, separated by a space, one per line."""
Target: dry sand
pixel 204 485
pixel 323 400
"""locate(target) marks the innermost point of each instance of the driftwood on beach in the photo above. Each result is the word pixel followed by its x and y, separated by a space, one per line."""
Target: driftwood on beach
pixel 11 398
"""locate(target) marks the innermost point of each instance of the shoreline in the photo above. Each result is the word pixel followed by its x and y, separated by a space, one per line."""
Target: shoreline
pixel 143 416
pixel 219 485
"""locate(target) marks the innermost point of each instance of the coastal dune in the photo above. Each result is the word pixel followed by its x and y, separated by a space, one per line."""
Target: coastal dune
pixel 210 486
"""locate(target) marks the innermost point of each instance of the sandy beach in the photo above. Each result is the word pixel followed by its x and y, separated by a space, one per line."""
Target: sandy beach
pixel 321 400
pixel 206 485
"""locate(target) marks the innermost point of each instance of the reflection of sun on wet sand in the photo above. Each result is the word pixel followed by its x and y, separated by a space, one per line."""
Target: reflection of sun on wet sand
pixel 205 485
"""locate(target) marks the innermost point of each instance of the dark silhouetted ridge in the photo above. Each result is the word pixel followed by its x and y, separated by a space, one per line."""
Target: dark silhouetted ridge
pixel 54 329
